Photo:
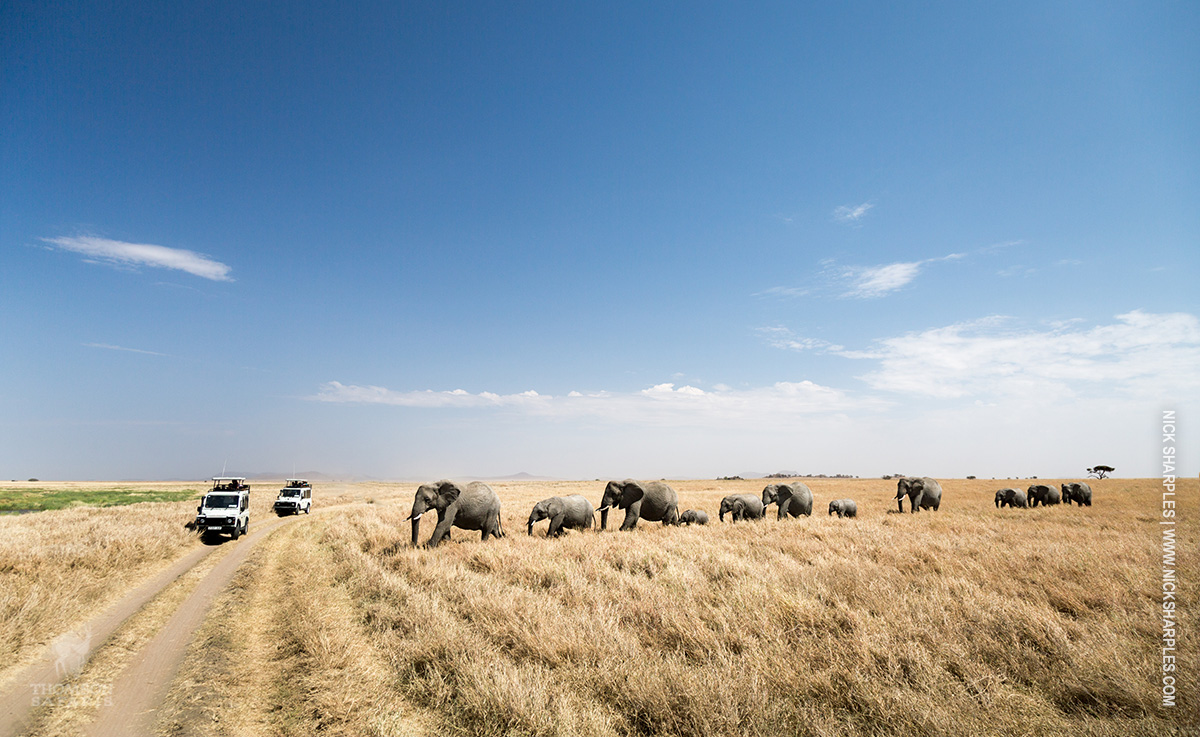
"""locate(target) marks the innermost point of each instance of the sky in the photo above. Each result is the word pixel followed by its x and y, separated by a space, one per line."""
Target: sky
pixel 591 240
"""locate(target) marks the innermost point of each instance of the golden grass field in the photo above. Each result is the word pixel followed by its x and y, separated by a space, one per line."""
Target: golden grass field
pixel 970 620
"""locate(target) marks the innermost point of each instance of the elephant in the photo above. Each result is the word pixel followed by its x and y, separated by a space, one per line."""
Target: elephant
pixel 693 517
pixel 742 506
pixel 923 493
pixel 843 508
pixel 471 507
pixel 794 499
pixel 1011 498
pixel 1042 494
pixel 1077 492
pixel 652 501
pixel 573 512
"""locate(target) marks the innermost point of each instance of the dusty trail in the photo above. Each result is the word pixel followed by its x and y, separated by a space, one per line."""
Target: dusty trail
pixel 73 648
pixel 139 690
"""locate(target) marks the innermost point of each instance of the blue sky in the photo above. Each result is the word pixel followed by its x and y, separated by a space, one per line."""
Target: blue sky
pixel 626 239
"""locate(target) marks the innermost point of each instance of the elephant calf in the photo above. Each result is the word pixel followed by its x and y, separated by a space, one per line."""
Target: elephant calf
pixel 742 506
pixel 471 507
pixel 564 512
pixel 1077 492
pixel 693 517
pixel 843 508
pixel 1011 498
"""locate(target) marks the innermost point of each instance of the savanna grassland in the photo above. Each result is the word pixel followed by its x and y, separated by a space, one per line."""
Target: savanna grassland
pixel 971 620
pixel 56 567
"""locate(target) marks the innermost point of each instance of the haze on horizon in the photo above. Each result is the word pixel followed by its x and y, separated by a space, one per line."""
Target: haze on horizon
pixel 590 242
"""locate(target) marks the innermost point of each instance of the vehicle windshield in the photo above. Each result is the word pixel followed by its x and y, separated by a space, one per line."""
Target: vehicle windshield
pixel 290 492
pixel 220 501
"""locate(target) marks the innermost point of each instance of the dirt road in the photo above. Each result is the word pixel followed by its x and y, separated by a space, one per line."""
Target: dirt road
pixel 130 704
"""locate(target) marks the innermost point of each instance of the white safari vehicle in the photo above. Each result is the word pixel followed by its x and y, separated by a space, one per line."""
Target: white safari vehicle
pixel 226 508
pixel 295 497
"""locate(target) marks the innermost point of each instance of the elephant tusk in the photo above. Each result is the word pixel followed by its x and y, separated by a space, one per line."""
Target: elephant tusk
pixel 601 509
pixel 414 519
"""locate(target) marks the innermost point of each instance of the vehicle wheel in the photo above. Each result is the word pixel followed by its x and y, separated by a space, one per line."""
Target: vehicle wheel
pixel 246 528
pixel 308 509
pixel 236 533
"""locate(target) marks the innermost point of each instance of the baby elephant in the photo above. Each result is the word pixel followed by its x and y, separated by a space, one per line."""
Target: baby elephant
pixel 573 511
pixel 843 508
pixel 1077 492
pixel 1011 498
pixel 693 517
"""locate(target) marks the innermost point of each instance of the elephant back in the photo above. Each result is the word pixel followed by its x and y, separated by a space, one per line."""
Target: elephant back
pixel 801 500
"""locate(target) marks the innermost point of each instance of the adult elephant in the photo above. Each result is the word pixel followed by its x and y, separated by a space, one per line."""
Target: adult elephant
pixel 794 499
pixel 564 512
pixel 843 508
pixel 652 501
pixel 1011 498
pixel 922 493
pixel 471 507
pixel 1042 494
pixel 742 506
pixel 1077 492
pixel 693 517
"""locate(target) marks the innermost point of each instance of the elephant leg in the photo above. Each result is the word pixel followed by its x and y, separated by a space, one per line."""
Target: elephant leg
pixel 900 503
pixel 671 517
pixel 442 530
pixel 556 525
pixel 915 504
pixel 632 513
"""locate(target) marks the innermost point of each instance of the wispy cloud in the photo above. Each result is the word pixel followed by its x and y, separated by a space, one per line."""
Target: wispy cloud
pixel 119 253
pixel 852 213
pixel 108 347
pixel 876 281
pixel 1141 354
pixel 661 404
pixel 783 338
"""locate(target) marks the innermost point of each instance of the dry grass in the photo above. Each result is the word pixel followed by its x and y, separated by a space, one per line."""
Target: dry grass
pixel 968 620
pixel 59 567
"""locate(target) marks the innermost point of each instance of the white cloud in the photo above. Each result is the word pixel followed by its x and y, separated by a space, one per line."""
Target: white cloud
pixel 852 213
pixel 1141 355
pixel 661 404
pixel 118 253
pixel 877 281
pixel 108 347
pixel 783 338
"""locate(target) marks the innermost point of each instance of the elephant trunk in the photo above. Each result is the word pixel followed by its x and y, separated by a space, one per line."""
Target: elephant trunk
pixel 604 518
pixel 416 525
pixel 531 528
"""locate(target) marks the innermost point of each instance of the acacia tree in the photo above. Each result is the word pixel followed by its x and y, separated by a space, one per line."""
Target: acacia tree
pixel 1100 472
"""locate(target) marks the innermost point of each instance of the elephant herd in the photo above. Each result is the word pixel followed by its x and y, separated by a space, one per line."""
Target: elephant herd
pixel 1077 492
pixel 475 506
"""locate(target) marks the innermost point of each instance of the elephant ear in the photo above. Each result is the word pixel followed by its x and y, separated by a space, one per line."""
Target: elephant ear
pixel 448 492
pixel 632 493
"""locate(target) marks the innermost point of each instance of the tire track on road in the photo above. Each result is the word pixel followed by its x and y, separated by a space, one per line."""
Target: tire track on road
pixel 140 688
